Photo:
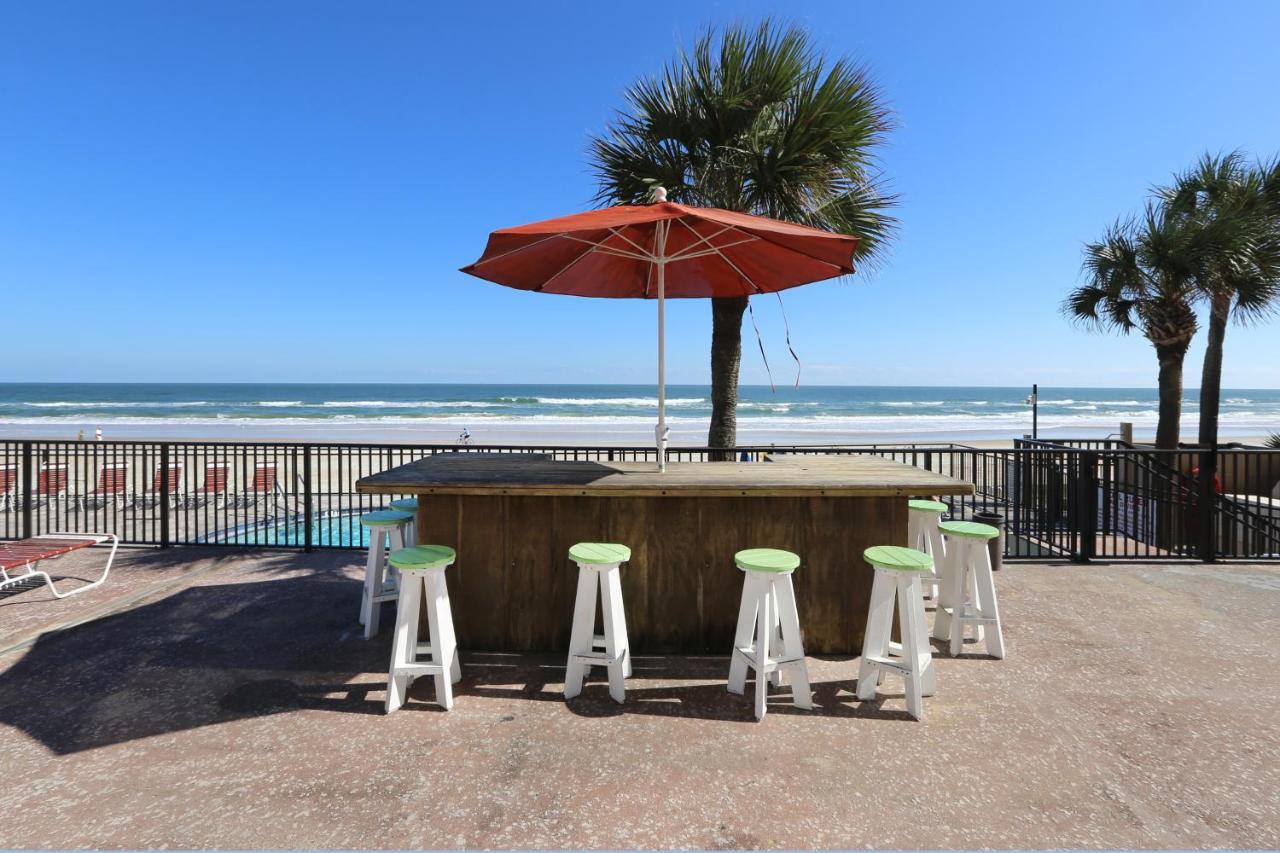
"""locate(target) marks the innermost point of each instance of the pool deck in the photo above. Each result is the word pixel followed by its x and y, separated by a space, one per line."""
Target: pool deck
pixel 224 698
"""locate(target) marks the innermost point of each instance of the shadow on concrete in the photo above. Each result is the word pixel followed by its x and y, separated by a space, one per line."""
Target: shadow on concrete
pixel 202 656
pixel 216 653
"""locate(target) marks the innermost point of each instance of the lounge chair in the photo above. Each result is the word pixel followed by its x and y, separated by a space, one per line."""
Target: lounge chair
pixel 216 475
pixel 113 485
pixel 51 482
pixel 264 484
pixel 8 485
pixel 26 554
pixel 152 496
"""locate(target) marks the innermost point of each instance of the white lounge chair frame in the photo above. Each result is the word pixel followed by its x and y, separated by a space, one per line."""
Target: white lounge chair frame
pixel 32 572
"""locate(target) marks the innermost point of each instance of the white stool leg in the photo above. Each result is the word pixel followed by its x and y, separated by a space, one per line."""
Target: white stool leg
pixel 622 622
pixel 404 643
pixel 764 629
pixel 582 633
pixel 792 647
pixel 959 584
pixel 946 591
pixel 914 532
pixel 985 582
pixel 375 578
pixel 875 640
pixel 370 563
pixel 615 632
pixel 743 635
pixel 775 677
pixel 455 665
pixel 922 651
pixel 913 688
pixel 443 645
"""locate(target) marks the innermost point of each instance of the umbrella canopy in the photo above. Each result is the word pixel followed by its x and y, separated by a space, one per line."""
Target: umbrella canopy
pixel 659 251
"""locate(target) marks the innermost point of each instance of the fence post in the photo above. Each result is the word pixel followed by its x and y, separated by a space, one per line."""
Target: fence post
pixel 307 543
pixel 1206 499
pixel 26 490
pixel 164 495
pixel 1086 501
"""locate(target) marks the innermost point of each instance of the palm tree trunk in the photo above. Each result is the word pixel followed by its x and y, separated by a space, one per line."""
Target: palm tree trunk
pixel 1170 358
pixel 726 358
pixel 1211 378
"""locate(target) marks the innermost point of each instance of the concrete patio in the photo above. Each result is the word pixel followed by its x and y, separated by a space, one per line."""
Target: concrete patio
pixel 216 698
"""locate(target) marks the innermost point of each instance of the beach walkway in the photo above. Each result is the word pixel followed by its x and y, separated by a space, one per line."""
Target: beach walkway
pixel 224 698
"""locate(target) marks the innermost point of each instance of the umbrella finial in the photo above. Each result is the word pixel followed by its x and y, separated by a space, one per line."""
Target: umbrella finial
pixel 659 195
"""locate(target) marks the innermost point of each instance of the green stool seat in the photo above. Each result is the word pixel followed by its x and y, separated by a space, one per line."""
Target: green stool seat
pixel 404 505
pixel 898 559
pixel 916 504
pixel 599 553
pixel 767 560
pixel 423 557
pixel 384 518
pixel 968 529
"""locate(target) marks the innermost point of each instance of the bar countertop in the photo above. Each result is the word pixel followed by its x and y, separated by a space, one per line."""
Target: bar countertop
pixel 538 474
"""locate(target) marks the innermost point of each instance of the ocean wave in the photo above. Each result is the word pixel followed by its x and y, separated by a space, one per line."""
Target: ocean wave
pixel 407 404
pixel 620 401
pixel 280 404
pixel 912 403
pixel 1013 422
pixel 114 404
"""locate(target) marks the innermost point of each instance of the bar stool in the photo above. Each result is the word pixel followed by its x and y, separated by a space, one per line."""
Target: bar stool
pixel 409 505
pixel 767 618
pixel 422 574
pixel 970 591
pixel 598 568
pixel 898 575
pixel 386 532
pixel 922 534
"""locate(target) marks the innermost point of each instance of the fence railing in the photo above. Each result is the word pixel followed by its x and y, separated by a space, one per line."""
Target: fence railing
pixel 1058 502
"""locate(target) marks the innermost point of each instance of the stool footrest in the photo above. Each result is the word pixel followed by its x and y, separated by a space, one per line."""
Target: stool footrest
pixel 599 658
pixel 899 665
pixel 772 664
pixel 417 669
pixel 971 618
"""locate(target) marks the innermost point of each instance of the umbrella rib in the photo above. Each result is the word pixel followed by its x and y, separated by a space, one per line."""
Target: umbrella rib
pixel 768 240
pixel 637 246
pixel 517 249
pixel 591 247
pixel 702 253
pixel 680 255
pixel 724 257
pixel 608 250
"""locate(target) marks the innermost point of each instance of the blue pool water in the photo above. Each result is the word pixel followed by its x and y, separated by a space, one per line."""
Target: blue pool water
pixel 335 531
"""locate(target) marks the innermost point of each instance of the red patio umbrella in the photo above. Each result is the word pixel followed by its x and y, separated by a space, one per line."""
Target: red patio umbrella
pixel 659 251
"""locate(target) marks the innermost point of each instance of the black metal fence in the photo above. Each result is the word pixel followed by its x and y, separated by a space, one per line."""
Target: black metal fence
pixel 1060 501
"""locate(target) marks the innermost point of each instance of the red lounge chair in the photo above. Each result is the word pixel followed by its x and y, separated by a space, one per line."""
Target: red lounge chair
pixel 8 485
pixel 26 554
pixel 264 483
pixel 52 481
pixel 152 497
pixel 216 475
pixel 113 484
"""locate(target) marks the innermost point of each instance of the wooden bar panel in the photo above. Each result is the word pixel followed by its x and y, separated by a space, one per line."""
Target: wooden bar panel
pixel 513 585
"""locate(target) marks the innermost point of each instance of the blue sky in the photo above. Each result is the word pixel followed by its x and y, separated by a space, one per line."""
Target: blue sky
pixel 284 191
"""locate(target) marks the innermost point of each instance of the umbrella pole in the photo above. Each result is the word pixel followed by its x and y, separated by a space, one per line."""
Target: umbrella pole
pixel 660 432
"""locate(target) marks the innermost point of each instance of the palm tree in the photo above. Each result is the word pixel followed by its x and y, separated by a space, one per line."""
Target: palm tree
pixel 755 121
pixel 1235 208
pixel 1140 276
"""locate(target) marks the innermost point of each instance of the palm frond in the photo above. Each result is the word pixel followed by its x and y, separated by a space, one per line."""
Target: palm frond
pixel 755 119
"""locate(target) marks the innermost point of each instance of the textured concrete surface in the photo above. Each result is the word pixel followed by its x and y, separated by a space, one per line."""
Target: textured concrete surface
pixel 1137 708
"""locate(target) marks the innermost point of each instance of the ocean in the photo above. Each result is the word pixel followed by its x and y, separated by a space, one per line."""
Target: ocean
pixel 592 414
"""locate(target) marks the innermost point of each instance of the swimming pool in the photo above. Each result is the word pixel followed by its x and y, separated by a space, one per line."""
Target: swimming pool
pixel 339 530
